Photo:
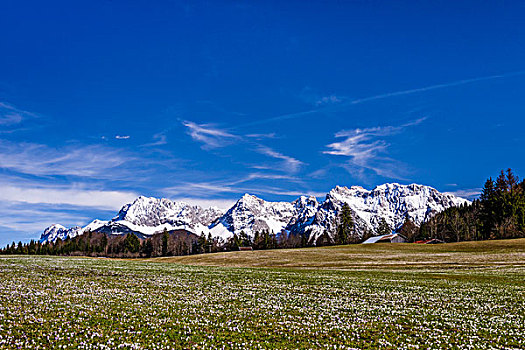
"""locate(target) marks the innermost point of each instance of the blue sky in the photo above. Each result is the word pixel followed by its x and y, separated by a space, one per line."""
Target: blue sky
pixel 203 101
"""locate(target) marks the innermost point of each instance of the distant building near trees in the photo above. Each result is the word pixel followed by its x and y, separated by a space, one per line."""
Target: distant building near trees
pixel 389 238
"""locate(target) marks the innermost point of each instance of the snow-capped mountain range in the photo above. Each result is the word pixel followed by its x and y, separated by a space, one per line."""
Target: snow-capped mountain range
pixel 393 202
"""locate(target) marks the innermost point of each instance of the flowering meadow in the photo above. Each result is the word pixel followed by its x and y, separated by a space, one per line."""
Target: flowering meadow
pixel 88 303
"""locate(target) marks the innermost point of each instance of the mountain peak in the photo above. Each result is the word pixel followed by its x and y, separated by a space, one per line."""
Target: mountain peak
pixel 54 227
pixel 305 200
pixel 248 196
pixel 392 202
pixel 249 200
pixel 57 231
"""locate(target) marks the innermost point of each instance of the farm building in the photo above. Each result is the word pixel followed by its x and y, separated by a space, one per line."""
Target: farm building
pixel 390 238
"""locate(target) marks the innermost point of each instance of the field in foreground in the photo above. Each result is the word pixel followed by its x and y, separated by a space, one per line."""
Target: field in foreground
pixel 476 301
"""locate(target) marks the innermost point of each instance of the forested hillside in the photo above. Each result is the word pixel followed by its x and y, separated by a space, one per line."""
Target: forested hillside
pixel 499 213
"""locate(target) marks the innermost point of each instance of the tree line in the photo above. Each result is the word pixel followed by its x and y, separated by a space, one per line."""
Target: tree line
pixel 96 244
pixel 499 213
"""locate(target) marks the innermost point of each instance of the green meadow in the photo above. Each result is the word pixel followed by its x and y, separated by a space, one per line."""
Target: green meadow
pixel 401 296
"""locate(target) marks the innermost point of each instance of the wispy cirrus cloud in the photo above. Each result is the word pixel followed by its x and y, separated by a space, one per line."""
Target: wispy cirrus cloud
pixel 159 140
pixel 469 193
pixel 328 100
pixel 259 183
pixel 288 164
pixel 263 176
pixel 363 143
pixel 368 150
pixel 14 119
pixel 209 135
pixel 333 101
pixel 36 188
pixel 271 135
pixel 10 115
pixel 436 87
pixel 207 189
pixel 313 97
pixel 212 137
pixel 41 160
pixel 26 221
pixel 69 195
pixel 10 119
pixel 31 205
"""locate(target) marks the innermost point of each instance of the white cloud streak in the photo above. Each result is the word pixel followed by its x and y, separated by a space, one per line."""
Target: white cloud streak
pixel 30 206
pixel 470 193
pixel 160 139
pixel 367 150
pixel 10 119
pixel 259 176
pixel 289 164
pixel 328 100
pixel 10 115
pixel 99 199
pixel 210 189
pixel 328 106
pixel 34 220
pixel 271 135
pixel 436 87
pixel 237 186
pixel 210 136
pixel 41 160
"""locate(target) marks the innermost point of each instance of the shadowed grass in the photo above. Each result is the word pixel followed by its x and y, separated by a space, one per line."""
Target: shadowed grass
pixel 389 256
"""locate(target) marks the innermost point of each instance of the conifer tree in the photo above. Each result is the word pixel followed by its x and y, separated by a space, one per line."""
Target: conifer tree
pixel 147 248
pixel 345 227
pixel 409 229
pixel 103 243
pixel 165 239
pixel 200 246
pixel 383 228
pixel 131 243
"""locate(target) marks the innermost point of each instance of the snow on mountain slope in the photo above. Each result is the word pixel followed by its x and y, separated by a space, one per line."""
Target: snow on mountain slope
pixel 393 202
pixel 149 211
pixel 251 214
pixel 94 225
pixel 54 232
pixel 147 215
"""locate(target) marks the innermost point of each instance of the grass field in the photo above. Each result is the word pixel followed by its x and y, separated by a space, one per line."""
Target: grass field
pixel 372 256
pixel 464 296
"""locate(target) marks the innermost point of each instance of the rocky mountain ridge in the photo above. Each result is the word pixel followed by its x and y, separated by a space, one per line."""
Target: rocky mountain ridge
pixel 147 215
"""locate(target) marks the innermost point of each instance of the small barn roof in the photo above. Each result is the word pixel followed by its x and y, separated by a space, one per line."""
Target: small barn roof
pixel 376 239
